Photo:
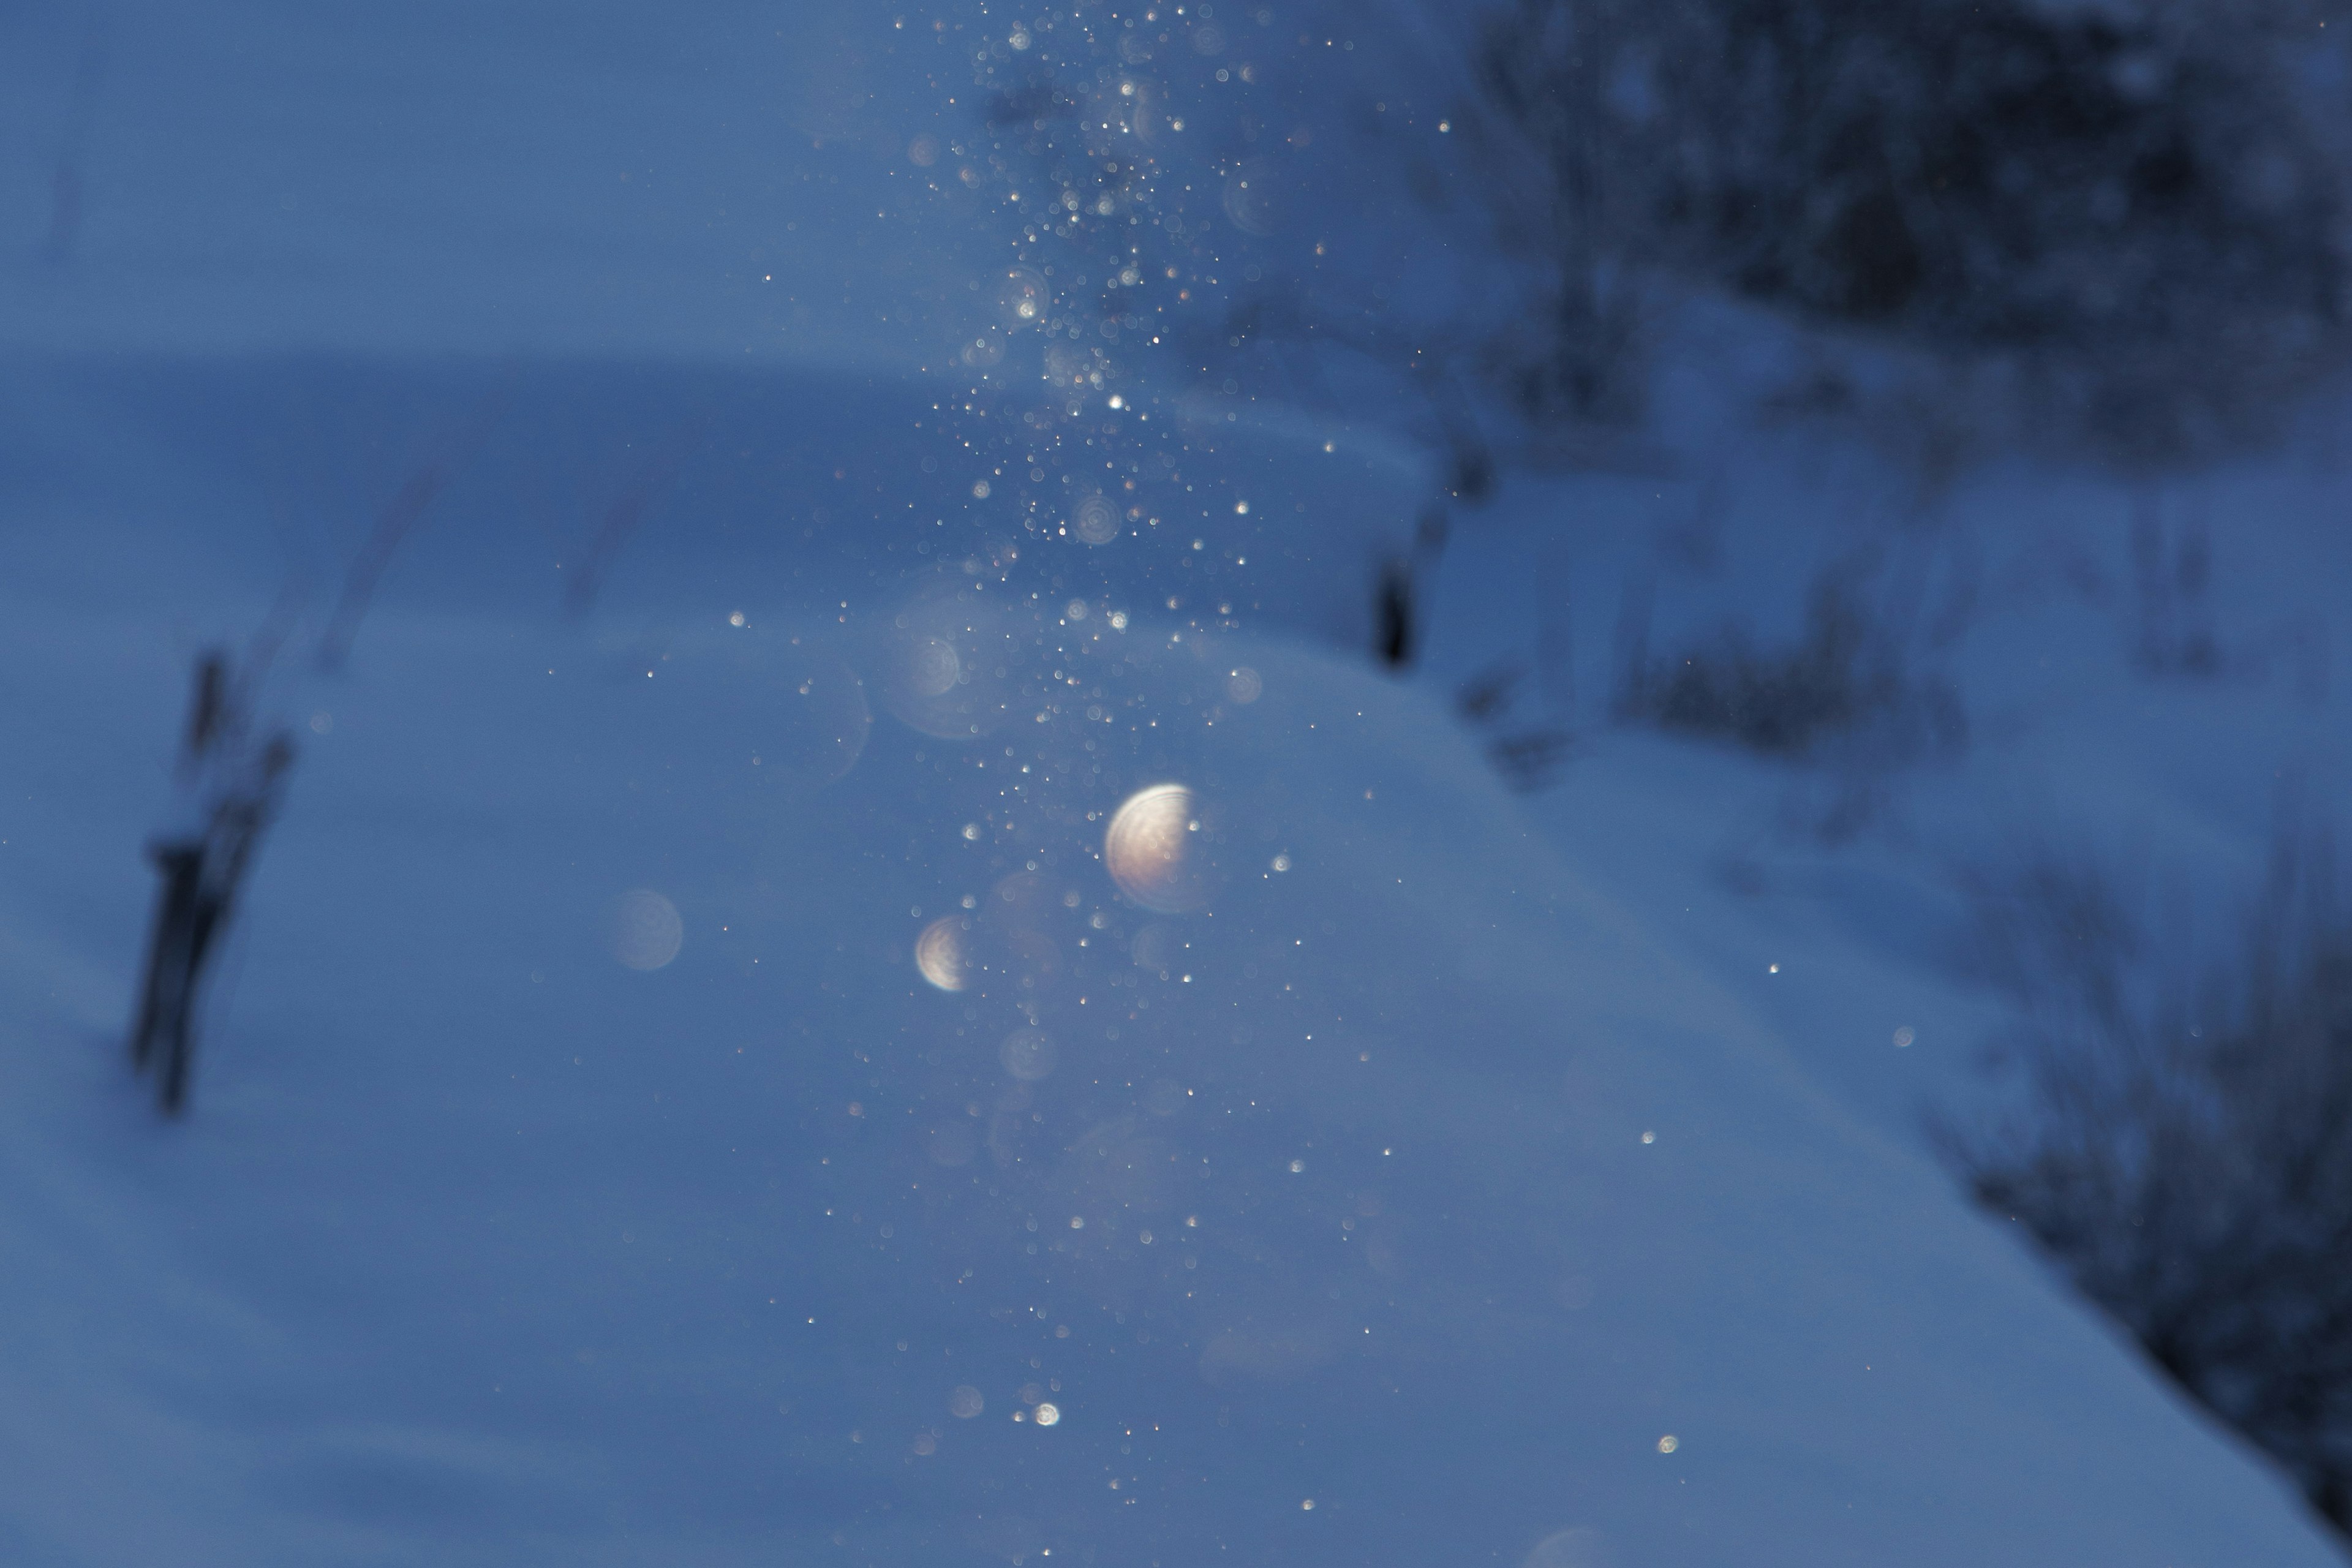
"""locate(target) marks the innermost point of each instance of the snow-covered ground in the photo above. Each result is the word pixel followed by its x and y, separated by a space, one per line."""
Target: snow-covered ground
pixel 698 1080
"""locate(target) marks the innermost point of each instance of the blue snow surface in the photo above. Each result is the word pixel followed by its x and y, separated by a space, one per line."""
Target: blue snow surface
pixel 862 969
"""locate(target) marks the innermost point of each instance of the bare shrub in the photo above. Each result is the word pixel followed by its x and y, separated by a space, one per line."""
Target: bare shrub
pixel 2174 635
pixel 2125 198
pixel 1527 753
pixel 1845 681
pixel 2183 1150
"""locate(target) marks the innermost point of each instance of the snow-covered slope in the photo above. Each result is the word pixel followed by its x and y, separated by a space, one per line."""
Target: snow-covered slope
pixel 1420 1184
pixel 457 179
pixel 2056 604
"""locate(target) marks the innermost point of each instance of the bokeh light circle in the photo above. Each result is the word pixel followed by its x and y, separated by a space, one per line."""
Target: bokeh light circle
pixel 1095 520
pixel 646 931
pixel 1028 1055
pixel 1153 852
pixel 943 953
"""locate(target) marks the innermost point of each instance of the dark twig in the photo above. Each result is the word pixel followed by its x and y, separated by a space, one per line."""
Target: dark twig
pixel 627 512
pixel 397 521
pixel 66 187
pixel 233 788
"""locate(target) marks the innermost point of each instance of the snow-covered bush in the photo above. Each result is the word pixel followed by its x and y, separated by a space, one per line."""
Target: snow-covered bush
pixel 2124 201
pixel 2190 1163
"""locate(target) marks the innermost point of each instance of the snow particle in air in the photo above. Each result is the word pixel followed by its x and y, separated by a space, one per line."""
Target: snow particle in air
pixel 735 619
pixel 1649 1137
pixel 1669 1443
pixel 966 1402
pixel 932 667
pixel 1095 520
pixel 1903 1037
pixel 1028 1055
pixel 953 1143
pixel 1021 297
pixel 645 932
pixel 1048 1414
pixel 1569 1549
pixel 1244 685
pixel 1158 946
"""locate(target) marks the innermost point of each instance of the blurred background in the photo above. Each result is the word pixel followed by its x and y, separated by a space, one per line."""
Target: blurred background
pixel 1553 782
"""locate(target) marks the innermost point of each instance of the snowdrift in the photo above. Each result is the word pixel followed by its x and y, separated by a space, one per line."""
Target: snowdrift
pixel 596 1160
